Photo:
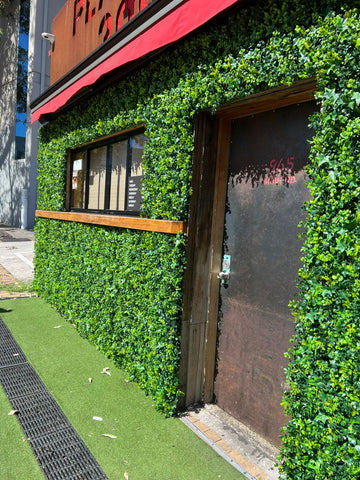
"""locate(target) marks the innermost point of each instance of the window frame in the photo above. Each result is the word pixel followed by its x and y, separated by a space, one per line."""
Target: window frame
pixel 107 142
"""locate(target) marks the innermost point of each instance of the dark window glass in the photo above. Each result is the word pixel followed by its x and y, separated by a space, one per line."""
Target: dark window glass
pixel 97 174
pixel 118 175
pixel 107 177
pixel 78 180
pixel 135 173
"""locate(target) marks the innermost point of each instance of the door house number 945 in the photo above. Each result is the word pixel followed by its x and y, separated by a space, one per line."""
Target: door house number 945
pixel 125 10
pixel 280 171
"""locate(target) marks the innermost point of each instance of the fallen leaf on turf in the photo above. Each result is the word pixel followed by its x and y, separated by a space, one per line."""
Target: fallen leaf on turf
pixel 58 326
pixel 126 476
pixel 13 412
pixel 108 435
pixel 106 371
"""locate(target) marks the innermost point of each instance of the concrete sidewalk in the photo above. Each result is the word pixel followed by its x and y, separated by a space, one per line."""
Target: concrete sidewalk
pixel 247 452
pixel 16 259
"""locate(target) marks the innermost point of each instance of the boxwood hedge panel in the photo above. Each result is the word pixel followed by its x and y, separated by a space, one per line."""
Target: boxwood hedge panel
pixel 123 289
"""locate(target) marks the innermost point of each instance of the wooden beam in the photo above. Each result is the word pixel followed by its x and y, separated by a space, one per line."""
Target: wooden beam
pixel 197 273
pixel 216 252
pixel 161 226
pixel 299 92
pixel 68 181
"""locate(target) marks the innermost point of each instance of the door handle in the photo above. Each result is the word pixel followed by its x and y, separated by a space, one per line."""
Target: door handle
pixel 224 275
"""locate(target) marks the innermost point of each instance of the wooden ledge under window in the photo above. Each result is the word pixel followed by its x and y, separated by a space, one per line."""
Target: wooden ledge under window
pixel 150 225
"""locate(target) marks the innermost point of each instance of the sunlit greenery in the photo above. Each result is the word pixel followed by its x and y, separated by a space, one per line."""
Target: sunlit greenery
pixel 123 289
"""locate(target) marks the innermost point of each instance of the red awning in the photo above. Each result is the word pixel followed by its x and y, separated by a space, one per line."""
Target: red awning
pixel 175 25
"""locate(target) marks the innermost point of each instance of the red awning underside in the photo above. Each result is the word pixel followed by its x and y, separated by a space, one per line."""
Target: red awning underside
pixel 174 26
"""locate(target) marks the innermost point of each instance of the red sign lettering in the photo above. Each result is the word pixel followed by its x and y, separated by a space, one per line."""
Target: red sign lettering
pixel 126 10
pixel 280 172
pixel 106 21
pixel 89 12
pixel 81 26
pixel 78 10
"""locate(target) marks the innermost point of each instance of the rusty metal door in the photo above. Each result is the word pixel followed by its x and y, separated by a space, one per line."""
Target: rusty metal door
pixel 266 190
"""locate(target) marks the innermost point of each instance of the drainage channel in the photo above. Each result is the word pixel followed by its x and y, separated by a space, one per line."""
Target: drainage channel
pixel 61 453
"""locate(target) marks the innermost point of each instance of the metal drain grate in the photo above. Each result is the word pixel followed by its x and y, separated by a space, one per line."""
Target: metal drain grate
pixel 67 452
pixel 61 453
pixel 20 380
pixel 10 352
pixel 39 414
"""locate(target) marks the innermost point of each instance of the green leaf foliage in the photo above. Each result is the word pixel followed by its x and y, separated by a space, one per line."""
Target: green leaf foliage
pixel 112 286
pixel 123 289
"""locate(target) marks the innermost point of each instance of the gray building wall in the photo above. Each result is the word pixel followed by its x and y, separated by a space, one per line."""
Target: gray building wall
pixel 13 174
pixel 18 190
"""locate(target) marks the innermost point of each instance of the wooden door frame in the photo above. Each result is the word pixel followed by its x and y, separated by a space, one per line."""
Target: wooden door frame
pixel 205 234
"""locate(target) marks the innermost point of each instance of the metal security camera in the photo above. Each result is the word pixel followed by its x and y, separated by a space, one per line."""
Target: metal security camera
pixel 49 36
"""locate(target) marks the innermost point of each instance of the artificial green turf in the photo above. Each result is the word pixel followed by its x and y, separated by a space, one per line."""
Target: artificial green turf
pixel 147 445
pixel 16 458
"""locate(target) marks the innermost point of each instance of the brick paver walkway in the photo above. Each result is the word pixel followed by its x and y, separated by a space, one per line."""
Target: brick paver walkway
pixel 7 279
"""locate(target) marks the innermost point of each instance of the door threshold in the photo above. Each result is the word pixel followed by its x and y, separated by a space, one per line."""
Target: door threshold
pixel 249 453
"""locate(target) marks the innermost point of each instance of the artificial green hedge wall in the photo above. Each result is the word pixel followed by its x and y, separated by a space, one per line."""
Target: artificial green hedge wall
pixel 123 289
pixel 114 289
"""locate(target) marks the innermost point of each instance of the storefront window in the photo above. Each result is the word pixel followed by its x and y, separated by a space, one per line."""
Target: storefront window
pixel 107 177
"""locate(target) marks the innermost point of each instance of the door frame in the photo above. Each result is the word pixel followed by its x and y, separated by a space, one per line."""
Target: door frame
pixel 205 235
